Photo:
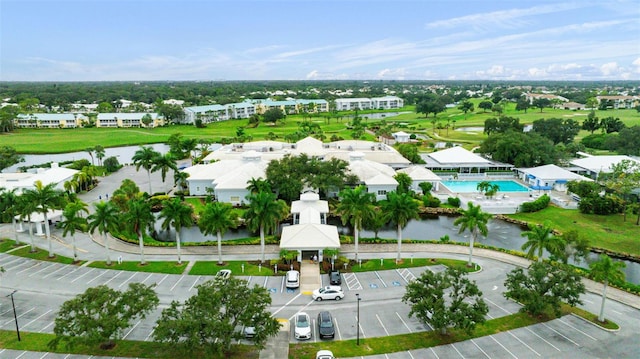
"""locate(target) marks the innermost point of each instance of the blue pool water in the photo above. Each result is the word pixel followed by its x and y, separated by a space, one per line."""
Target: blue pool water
pixel 472 186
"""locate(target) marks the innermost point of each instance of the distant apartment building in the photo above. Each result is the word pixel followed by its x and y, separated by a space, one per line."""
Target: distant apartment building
pixel 352 104
pixel 622 102
pixel 49 120
pixel 213 113
pixel 122 119
pixel 535 96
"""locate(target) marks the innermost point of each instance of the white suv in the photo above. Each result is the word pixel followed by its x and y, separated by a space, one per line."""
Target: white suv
pixel 328 292
pixel 303 326
pixel 293 279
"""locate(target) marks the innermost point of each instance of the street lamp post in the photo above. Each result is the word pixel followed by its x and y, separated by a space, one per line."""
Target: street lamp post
pixel 15 316
pixel 357 320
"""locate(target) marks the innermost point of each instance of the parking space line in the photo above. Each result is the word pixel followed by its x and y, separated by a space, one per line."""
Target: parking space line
pixel 19 316
pixel 45 327
pixel 98 276
pixel 434 353
pixel 497 306
pixel 403 322
pixel 144 280
pixel 543 339
pixel 55 271
pixel 352 281
pixel 194 283
pixel 176 283
pixel 457 351
pixel 45 268
pixel 360 326
pixel 560 334
pixel 26 269
pixel 380 278
pixel 112 278
pixel 503 347
pixel 44 355
pixel 577 330
pixel 150 334
pixel 523 343
pixel 477 346
pixel 337 328
pixel 21 354
pixel 411 355
pixel 6 265
pixel 264 285
pixel 83 274
pixel 132 328
pixel 406 274
pixel 128 279
pixel 73 271
pixel 162 280
pixel 382 325
pixel 40 316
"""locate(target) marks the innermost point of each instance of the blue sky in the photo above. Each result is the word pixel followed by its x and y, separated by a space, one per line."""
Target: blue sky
pixel 143 40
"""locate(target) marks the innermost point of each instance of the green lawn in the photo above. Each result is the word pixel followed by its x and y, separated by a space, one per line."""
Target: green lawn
pixel 608 232
pixel 236 267
pixel 387 264
pixel 43 255
pixel 154 267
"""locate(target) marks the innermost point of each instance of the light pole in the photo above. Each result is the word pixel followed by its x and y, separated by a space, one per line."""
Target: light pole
pixel 15 316
pixel 357 320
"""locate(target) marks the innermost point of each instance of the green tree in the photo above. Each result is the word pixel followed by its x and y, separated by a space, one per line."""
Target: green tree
pixel 541 103
pixel 430 103
pixel 400 208
pixel 100 153
pixel 210 321
pixel 404 183
pixel 556 129
pixel 522 105
pixel 520 149
pixel 256 185
pixel 410 152
pixel 544 285
pixel 591 123
pixel 145 157
pixel 139 218
pixel 273 115
pixel 356 205
pixel 46 198
pixel 26 207
pixel 502 124
pixel 217 217
pixel 177 214
pixel 105 220
pixel 466 106
pixel 74 221
pixel 105 107
pixel 485 105
pixel 164 163
pixel 10 208
pixel 264 214
pixel 624 178
pixel 100 315
pixel 540 238
pixel 446 300
pixel 475 221
pixel 605 270
pixel 9 157
pixel 146 120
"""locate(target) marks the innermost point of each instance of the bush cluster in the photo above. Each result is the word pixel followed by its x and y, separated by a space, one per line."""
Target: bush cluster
pixel 537 205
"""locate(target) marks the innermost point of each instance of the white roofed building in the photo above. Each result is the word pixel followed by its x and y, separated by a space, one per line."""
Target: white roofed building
pixel 26 180
pixel 462 161
pixel 420 174
pixel 548 177
pixel 377 177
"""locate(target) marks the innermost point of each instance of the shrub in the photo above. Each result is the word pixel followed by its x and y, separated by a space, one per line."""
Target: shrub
pixel 537 205
pixel 430 201
pixel 454 201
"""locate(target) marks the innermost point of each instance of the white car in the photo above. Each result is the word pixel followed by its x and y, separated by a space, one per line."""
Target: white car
pixel 293 279
pixel 325 354
pixel 223 274
pixel 303 326
pixel 328 292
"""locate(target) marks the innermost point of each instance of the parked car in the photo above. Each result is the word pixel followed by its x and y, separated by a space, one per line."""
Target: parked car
pixel 303 326
pixel 325 354
pixel 223 274
pixel 326 328
pixel 249 332
pixel 328 292
pixel 334 277
pixel 293 279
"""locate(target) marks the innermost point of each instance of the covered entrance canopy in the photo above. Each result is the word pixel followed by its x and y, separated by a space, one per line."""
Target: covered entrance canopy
pixel 310 236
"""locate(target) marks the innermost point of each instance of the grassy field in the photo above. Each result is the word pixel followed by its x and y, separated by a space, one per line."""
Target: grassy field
pixel 152 267
pixel 608 232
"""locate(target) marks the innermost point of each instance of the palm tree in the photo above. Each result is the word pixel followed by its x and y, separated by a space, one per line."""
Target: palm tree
pixel 100 153
pixel 46 198
pixel 540 237
pixel 164 163
pixel 139 217
pixel 26 207
pixel 474 220
pixel 399 208
pixel 604 270
pixel 264 213
pixel 145 158
pixel 256 185
pixel 10 204
pixel 105 219
pixel 73 221
pixel 177 214
pixel 355 206
pixel 217 217
pixel 180 179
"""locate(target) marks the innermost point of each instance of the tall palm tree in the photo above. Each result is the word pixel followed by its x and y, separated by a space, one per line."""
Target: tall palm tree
pixel 177 214
pixel 145 158
pixel 164 163
pixel 104 219
pixel 605 269
pixel 26 207
pixel 73 221
pixel 139 217
pixel 100 153
pixel 46 198
pixel 217 217
pixel 355 206
pixel 256 185
pixel 399 208
pixel 540 237
pixel 264 213
pixel 474 220
pixel 9 203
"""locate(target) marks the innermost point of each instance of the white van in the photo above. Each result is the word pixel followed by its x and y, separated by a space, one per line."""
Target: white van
pixel 293 279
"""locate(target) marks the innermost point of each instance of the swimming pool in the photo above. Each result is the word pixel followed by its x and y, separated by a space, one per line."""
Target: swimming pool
pixel 472 186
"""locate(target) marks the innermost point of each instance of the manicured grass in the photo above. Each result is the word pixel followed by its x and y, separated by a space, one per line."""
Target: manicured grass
pixel 593 318
pixel 43 255
pixel 155 267
pixel 7 245
pixel 608 232
pixel 389 264
pixel 250 269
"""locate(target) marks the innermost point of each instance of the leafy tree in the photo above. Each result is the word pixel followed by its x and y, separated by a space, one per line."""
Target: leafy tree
pixel 556 129
pixel 626 142
pixel 520 149
pixel 105 220
pixel 164 163
pixel 209 322
pixel 544 285
pixel 139 218
pixel 256 185
pixel 485 105
pixel 502 124
pixel 273 115
pixel 376 221
pixel 73 221
pixel 7 116
pixel 539 238
pixel 475 221
pixel 145 157
pixel 171 113
pixel 541 103
pixel 9 157
pixel 410 152
pixel 610 124
pixel 105 107
pixel 45 199
pixel 430 103
pixel 10 208
pixel 111 164
pixel 425 187
pixel 177 214
pixel 577 247
pixel 404 182
pixel 356 205
pixel 605 270
pixel 446 300
pixel 625 178
pixel 217 217
pixel 400 208
pixel 466 106
pixel 100 315
pixel 522 105
pixel 264 214
pixel 591 123
pixel 26 207
pixel 146 120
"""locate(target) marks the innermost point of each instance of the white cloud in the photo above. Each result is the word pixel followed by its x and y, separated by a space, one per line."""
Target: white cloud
pixel 609 68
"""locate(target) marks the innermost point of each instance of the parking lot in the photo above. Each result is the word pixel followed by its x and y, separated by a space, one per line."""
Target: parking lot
pixel 42 287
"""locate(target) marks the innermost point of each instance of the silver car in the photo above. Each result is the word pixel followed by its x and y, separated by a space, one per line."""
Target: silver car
pixel 303 326
pixel 328 292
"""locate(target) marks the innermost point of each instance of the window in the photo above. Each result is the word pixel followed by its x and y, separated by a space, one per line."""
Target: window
pixel 234 199
pixel 382 192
